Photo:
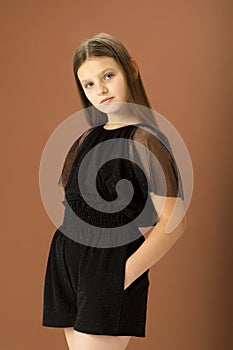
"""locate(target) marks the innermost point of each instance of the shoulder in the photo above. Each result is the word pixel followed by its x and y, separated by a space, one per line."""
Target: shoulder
pixel 153 139
pixel 83 136
pixel 149 134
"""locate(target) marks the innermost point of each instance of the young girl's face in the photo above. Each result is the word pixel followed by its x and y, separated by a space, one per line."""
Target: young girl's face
pixel 102 78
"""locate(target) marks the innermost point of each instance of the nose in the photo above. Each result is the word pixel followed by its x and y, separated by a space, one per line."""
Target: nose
pixel 101 88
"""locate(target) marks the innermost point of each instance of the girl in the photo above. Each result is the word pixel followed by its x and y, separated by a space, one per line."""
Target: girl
pixel 99 294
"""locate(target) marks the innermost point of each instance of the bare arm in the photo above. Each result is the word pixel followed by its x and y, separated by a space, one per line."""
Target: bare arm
pixel 158 240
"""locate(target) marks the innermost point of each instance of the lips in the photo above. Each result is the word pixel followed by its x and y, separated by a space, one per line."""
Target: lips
pixel 106 99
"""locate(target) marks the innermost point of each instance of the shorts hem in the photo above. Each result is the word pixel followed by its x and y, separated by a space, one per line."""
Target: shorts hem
pixel 110 333
pixel 82 330
pixel 58 325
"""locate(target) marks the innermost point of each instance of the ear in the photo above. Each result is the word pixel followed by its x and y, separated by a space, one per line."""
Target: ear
pixel 135 65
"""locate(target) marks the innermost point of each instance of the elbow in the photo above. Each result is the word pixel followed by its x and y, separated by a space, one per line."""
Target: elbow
pixel 178 230
pixel 182 226
pixel 178 226
pixel 184 223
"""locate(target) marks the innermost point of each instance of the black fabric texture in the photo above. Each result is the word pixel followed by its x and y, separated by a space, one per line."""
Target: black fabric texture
pixel 84 285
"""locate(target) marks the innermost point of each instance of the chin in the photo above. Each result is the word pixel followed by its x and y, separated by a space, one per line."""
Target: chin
pixel 111 107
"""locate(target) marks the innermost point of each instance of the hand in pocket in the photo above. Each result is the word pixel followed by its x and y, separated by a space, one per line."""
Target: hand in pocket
pixel 127 280
pixel 130 278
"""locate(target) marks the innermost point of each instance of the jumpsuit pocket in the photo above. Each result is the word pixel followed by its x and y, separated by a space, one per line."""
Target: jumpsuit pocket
pixel 142 280
pixel 133 309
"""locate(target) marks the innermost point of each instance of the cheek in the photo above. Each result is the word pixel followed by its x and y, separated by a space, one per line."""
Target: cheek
pixel 124 86
pixel 120 87
pixel 89 95
pixel 124 91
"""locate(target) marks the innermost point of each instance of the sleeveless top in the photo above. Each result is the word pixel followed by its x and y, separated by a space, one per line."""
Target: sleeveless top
pixel 147 163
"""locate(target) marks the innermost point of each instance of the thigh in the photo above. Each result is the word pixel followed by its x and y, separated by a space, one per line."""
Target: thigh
pixel 83 341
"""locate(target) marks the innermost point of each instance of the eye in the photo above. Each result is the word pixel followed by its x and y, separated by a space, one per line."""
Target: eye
pixel 109 74
pixel 86 85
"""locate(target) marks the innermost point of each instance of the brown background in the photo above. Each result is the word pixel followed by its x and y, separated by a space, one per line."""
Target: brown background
pixel 182 48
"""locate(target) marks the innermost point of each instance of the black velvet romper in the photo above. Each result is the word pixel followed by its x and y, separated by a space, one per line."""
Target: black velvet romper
pixel 84 284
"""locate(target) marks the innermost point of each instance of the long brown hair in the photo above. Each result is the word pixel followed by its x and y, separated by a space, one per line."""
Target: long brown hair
pixel 104 44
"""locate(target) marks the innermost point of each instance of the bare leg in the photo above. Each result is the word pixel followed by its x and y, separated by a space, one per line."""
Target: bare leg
pixel 83 341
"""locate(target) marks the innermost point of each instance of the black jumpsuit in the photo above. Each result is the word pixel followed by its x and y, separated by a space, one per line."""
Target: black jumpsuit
pixel 84 283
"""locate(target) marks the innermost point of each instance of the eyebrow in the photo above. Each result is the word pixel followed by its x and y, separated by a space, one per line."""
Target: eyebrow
pixel 106 69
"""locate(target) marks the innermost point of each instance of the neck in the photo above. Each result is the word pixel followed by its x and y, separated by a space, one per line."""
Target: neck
pixel 122 116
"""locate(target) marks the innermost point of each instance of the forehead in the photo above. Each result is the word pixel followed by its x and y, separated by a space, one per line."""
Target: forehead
pixel 93 66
